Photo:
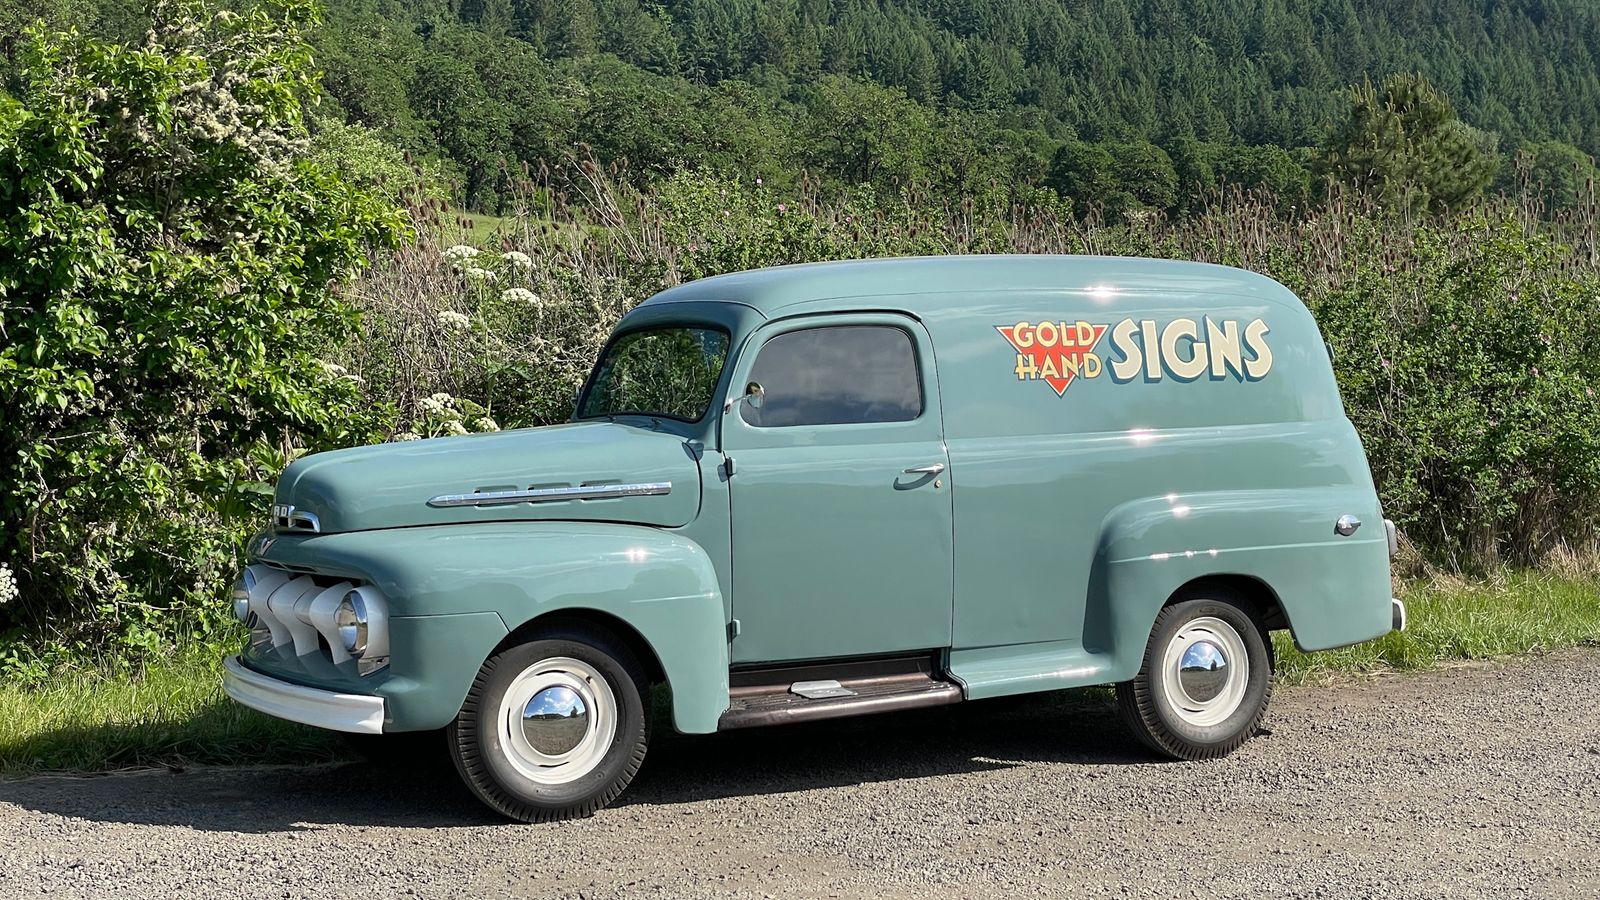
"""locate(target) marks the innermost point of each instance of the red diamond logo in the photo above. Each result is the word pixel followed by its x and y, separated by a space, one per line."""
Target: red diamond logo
pixel 1053 352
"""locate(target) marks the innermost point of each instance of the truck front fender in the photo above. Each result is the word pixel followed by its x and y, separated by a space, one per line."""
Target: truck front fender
pixel 660 584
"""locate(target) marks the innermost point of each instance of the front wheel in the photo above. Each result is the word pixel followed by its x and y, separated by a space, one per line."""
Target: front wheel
pixel 1205 682
pixel 554 728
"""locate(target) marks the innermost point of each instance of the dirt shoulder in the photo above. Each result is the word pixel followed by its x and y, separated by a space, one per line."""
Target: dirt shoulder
pixel 1471 781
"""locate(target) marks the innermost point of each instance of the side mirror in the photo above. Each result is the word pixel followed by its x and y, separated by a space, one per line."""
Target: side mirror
pixel 754 395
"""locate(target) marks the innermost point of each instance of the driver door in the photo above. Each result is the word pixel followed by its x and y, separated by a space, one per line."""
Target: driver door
pixel 840 497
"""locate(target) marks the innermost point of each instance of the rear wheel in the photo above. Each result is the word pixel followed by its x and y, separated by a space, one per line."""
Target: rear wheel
pixel 554 728
pixel 1205 681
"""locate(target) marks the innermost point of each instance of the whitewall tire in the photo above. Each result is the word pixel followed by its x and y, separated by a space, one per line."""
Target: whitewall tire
pixel 554 728
pixel 1206 677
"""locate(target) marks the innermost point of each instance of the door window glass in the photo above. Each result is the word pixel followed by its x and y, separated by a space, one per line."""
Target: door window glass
pixel 840 375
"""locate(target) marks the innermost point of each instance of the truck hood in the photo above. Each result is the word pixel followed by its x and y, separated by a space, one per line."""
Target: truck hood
pixel 656 474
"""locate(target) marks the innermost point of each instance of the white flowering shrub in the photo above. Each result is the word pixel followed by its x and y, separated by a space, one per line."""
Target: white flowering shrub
pixel 478 267
pixel 454 321
pixel 8 585
pixel 513 321
pixel 511 326
pixel 441 415
pixel 459 255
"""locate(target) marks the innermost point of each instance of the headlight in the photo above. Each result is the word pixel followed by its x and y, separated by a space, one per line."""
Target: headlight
pixel 351 620
pixel 251 592
pixel 241 595
pixel 354 621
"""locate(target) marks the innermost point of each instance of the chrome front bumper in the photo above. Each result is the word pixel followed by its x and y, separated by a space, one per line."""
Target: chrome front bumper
pixel 355 713
pixel 1397 612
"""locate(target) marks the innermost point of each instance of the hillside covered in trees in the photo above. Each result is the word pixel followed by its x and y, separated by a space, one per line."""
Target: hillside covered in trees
pixel 956 93
pixel 1119 102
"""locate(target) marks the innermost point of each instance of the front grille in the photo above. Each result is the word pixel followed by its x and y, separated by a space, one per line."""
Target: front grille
pixel 292 611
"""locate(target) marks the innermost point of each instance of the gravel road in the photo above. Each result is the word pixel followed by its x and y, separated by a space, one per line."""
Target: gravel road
pixel 1475 781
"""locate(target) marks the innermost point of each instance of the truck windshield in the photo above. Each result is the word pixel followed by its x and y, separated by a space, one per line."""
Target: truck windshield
pixel 667 372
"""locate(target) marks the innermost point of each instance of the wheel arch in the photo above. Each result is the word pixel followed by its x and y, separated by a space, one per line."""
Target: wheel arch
pixel 1124 611
pixel 599 620
pixel 1251 588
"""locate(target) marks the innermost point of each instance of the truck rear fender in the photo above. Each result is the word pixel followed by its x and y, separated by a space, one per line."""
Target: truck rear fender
pixel 1329 590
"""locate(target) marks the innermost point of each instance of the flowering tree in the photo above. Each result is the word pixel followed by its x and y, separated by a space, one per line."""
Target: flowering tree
pixel 167 256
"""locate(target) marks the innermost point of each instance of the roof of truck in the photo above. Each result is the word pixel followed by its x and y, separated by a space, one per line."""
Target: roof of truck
pixel 938 281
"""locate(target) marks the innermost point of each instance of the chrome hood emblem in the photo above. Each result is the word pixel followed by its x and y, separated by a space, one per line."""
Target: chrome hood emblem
pixel 285 517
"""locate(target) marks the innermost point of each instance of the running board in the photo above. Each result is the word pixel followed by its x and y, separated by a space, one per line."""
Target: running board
pixel 809 693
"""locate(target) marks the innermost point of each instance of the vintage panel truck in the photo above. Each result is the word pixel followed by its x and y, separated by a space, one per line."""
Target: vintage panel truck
pixel 832 489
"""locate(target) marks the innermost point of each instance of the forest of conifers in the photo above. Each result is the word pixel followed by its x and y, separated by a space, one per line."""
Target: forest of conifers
pixel 979 90
pixel 1160 100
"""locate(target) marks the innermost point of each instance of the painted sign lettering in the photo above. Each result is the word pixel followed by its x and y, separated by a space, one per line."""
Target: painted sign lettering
pixel 1058 353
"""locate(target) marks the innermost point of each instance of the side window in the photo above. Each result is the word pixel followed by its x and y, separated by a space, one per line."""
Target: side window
pixel 847 374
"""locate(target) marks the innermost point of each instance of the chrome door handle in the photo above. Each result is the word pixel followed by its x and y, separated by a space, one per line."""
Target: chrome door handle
pixel 933 469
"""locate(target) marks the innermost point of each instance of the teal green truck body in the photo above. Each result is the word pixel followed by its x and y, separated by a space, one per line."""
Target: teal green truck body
pixel 1093 435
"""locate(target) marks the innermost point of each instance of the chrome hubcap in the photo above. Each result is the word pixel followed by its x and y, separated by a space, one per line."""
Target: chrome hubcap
pixel 1205 670
pixel 557 720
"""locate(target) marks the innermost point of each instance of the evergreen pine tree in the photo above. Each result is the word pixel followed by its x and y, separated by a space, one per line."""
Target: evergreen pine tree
pixel 1403 143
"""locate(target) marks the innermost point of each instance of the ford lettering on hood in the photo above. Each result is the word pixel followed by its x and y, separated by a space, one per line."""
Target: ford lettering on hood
pixel 594 471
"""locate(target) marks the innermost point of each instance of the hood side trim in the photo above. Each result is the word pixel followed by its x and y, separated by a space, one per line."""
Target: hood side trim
pixel 551 495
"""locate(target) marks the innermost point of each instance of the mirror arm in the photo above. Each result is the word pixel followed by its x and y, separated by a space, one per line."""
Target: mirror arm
pixel 753 393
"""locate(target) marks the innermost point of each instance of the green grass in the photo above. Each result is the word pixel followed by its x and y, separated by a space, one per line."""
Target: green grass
pixel 173 711
pixel 1519 613
pixel 486 231
pixel 482 230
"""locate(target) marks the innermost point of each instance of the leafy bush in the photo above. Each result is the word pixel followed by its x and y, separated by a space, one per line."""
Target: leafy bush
pixel 357 155
pixel 1559 176
pixel 167 257
pixel 1468 366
